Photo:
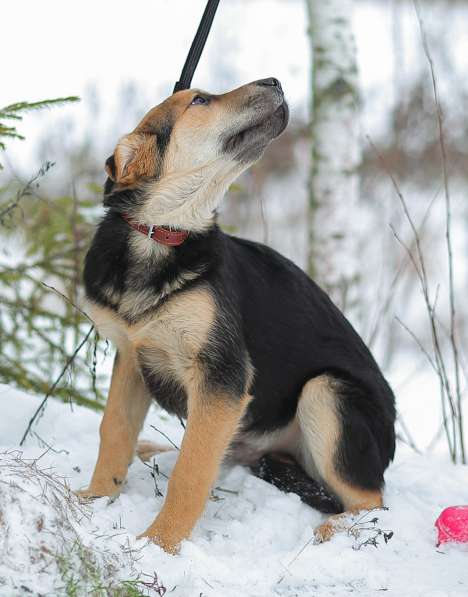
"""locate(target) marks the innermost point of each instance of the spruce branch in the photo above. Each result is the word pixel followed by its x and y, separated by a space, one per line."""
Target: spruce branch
pixel 15 112
pixel 30 106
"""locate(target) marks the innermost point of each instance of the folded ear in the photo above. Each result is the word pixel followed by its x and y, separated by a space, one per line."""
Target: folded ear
pixel 133 158
pixel 110 167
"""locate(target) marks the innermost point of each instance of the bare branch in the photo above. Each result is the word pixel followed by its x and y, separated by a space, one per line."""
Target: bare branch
pixel 448 232
pixel 54 385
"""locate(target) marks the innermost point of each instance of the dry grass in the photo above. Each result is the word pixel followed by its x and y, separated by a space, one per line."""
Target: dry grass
pixel 48 544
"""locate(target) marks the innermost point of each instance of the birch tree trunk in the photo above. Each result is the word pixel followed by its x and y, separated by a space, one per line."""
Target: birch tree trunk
pixel 336 154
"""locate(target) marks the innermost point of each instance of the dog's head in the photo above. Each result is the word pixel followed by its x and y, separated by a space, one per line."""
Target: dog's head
pixel 186 152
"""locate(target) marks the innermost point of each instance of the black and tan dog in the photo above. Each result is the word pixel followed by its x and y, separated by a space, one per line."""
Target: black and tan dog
pixel 221 331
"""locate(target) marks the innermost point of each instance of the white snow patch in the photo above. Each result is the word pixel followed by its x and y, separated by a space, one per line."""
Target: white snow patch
pixel 253 542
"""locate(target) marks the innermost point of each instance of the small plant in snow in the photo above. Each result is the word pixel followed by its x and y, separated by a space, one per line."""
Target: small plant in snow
pixel 366 532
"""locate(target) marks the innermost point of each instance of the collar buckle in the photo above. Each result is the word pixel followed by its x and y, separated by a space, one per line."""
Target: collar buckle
pixel 159 234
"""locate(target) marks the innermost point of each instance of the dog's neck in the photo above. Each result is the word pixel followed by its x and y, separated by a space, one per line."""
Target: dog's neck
pixel 133 275
pixel 186 201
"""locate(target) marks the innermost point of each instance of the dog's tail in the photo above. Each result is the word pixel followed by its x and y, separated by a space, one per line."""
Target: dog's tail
pixel 288 476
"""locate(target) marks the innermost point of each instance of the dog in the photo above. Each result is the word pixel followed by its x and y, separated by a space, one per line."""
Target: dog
pixel 224 332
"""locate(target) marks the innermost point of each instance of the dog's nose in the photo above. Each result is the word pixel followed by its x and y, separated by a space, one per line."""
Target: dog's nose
pixel 270 82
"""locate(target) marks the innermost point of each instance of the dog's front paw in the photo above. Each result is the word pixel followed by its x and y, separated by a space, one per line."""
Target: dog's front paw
pixel 162 537
pixel 93 492
pixel 87 495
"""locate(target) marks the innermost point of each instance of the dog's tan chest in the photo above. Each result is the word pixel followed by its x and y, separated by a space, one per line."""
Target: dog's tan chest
pixel 164 345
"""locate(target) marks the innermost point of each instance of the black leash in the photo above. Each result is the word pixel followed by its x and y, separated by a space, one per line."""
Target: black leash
pixel 197 46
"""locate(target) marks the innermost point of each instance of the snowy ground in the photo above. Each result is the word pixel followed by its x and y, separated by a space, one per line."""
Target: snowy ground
pixel 252 541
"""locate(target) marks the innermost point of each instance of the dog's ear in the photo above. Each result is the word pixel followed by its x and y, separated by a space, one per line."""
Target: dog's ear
pixel 133 158
pixel 110 167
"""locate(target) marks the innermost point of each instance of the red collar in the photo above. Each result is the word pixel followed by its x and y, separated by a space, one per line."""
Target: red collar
pixel 160 234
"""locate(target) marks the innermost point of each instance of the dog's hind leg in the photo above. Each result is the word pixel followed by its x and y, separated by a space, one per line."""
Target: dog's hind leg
pixel 282 471
pixel 125 411
pixel 340 450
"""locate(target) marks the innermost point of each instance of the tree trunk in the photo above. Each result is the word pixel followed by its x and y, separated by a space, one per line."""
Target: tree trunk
pixel 336 153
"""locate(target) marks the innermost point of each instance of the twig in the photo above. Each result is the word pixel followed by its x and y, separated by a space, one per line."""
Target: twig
pixel 151 466
pixel 264 220
pixel 448 233
pixel 154 473
pixel 396 278
pixel 55 384
pixel 408 440
pixel 181 421
pixel 303 548
pixel 166 436
pixel 94 364
pixel 224 490
pixel 48 446
pixel 154 583
pixel 65 298
pixel 359 526
pixel 418 342
pixel 446 393
pixel 76 258
pixel 25 191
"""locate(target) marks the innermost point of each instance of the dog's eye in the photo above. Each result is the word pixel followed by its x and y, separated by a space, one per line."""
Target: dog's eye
pixel 198 100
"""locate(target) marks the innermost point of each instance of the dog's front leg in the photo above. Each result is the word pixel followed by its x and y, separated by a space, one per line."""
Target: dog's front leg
pixel 211 424
pixel 125 411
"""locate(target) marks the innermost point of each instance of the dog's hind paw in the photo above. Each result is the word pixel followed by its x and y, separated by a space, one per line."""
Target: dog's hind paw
pixel 334 524
pixel 325 532
pixel 146 449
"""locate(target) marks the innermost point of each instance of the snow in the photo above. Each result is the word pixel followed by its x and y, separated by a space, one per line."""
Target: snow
pixel 255 541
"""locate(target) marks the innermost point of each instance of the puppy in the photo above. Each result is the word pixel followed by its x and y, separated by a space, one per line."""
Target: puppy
pixel 220 331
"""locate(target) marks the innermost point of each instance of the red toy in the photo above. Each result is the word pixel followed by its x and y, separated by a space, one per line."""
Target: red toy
pixel 452 525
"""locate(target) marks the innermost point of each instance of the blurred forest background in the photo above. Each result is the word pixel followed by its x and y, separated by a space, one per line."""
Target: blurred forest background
pixel 120 65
